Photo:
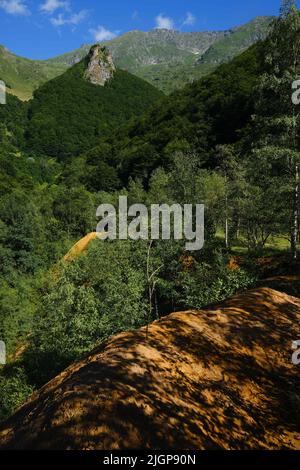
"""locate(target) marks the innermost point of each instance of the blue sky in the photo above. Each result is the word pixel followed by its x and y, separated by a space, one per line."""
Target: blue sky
pixel 40 29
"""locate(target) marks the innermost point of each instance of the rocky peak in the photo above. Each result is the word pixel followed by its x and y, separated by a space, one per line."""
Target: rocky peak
pixel 100 66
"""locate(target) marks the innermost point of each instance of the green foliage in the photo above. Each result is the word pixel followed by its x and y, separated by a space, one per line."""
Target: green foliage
pixel 68 114
pixel 95 297
pixel 100 173
pixel 212 283
pixel 14 389
pixel 13 117
pixel 203 145
pixel 75 209
pixel 207 113
pixel 274 166
pixel 19 301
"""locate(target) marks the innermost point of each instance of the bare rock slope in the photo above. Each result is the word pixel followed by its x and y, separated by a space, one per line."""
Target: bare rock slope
pixel 220 378
pixel 100 66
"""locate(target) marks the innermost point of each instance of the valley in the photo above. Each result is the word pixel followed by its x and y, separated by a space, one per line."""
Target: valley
pixel 142 342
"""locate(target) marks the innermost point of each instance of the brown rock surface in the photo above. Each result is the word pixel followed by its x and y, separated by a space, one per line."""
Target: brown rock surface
pixel 220 378
pixel 100 67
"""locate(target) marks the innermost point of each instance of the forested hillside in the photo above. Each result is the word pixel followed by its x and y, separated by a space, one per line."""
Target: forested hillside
pixel 229 141
pixel 212 111
pixel 69 114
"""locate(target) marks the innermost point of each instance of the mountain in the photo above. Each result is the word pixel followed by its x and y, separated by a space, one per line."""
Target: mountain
pixel 136 49
pixel 237 40
pixel 90 100
pixel 169 59
pixel 213 110
pixel 166 59
pixel 220 378
pixel 22 76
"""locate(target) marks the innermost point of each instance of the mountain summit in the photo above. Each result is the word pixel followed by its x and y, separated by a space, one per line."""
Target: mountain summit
pixel 100 66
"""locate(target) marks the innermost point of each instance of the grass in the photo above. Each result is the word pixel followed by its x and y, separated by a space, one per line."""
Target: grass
pixel 278 244
pixel 23 76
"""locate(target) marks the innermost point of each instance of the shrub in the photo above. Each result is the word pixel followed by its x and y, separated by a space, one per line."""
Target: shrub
pixel 14 389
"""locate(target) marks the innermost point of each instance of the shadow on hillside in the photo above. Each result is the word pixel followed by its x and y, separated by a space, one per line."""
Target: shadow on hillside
pixel 217 379
pixel 287 284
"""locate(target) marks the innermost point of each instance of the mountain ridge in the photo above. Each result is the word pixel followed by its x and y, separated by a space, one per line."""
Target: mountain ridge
pixel 167 59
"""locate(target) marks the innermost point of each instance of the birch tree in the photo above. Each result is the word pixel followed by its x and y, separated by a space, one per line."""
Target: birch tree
pixel 276 150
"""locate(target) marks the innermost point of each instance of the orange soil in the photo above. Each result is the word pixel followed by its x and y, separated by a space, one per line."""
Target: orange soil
pixel 221 378
pixel 80 246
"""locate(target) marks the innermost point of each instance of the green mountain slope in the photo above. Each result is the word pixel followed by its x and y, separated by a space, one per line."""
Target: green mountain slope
pixel 13 120
pixel 69 113
pixel 22 76
pixel 166 59
pixel 138 49
pixel 170 59
pixel 236 41
pixel 206 113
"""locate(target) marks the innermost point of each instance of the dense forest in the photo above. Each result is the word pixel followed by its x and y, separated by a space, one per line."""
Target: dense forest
pixel 229 141
pixel 69 114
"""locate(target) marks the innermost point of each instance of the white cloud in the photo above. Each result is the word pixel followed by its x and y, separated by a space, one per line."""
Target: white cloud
pixel 102 34
pixel 74 19
pixel 14 7
pixel 190 19
pixel 50 6
pixel 164 22
pixel 77 18
pixel 60 20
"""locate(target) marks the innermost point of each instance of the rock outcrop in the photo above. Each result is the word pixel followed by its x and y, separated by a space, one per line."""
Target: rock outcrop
pixel 220 378
pixel 100 66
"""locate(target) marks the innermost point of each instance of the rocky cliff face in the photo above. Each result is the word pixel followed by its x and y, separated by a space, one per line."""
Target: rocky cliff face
pixel 100 67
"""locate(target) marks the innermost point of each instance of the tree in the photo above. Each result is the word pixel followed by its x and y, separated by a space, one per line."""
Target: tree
pixel 98 295
pixel 75 210
pixel 232 170
pixel 20 216
pixel 277 119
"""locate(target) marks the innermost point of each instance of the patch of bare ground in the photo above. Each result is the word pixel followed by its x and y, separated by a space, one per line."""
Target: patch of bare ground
pixel 220 378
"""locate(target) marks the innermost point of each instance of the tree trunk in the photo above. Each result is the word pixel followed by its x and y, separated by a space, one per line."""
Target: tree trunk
pixel 226 234
pixel 226 217
pixel 295 226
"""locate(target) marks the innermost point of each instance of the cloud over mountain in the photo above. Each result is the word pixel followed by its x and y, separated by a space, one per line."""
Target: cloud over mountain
pixel 14 7
pixel 164 22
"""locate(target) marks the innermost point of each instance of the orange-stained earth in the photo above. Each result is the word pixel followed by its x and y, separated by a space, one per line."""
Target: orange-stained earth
pixel 80 246
pixel 220 378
